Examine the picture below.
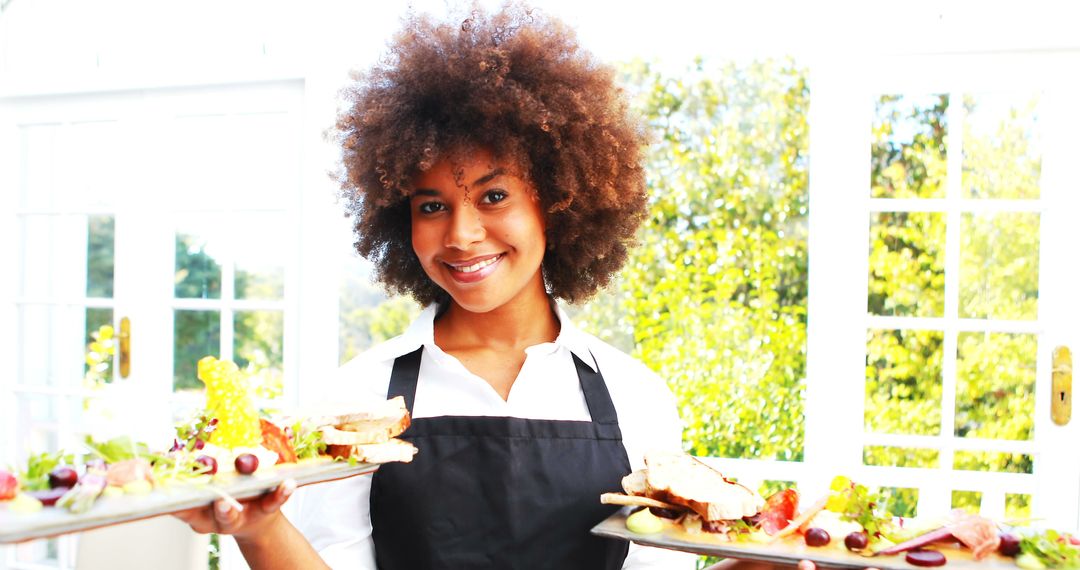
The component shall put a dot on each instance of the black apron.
(500, 492)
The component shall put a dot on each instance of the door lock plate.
(1061, 382)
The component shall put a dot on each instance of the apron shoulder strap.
(404, 376)
(596, 393)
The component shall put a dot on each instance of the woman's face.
(479, 235)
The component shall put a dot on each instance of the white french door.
(943, 262)
(176, 213)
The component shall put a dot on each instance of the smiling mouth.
(474, 267)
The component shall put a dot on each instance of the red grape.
(63, 476)
(856, 541)
(1010, 544)
(209, 463)
(246, 463)
(817, 537)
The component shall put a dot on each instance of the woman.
(491, 167)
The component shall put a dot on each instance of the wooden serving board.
(786, 552)
(52, 521)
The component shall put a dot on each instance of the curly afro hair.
(517, 83)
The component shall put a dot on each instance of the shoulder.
(629, 380)
(367, 375)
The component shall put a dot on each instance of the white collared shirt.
(334, 516)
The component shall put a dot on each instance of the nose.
(466, 227)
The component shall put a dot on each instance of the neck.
(521, 323)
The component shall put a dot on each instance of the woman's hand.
(244, 519)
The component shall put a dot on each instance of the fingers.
(273, 501)
(226, 516)
(806, 565)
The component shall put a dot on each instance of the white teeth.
(476, 266)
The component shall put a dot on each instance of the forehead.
(465, 168)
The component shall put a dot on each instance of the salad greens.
(36, 475)
(1048, 549)
(306, 443)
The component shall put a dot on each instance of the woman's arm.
(265, 537)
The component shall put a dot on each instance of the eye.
(430, 207)
(494, 196)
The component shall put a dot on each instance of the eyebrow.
(482, 180)
(489, 176)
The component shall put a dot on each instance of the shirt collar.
(422, 333)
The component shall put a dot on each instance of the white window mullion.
(839, 120)
(937, 498)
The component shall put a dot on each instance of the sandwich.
(683, 488)
(367, 433)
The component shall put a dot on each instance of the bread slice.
(635, 483)
(393, 450)
(378, 430)
(684, 480)
(345, 413)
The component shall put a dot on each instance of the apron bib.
(499, 492)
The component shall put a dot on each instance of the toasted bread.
(684, 480)
(378, 430)
(393, 450)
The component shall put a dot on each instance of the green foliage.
(714, 298)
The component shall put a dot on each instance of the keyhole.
(1062, 394)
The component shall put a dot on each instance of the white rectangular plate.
(52, 521)
(786, 552)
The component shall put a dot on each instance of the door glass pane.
(907, 264)
(234, 160)
(1002, 146)
(36, 409)
(53, 256)
(995, 461)
(258, 338)
(195, 334)
(38, 153)
(1018, 506)
(903, 382)
(100, 255)
(888, 456)
(92, 160)
(198, 261)
(260, 268)
(995, 385)
(51, 345)
(101, 345)
(43, 552)
(969, 501)
(902, 501)
(999, 266)
(908, 149)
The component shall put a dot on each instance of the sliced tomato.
(779, 509)
(274, 439)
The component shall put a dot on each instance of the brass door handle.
(1061, 383)
(125, 347)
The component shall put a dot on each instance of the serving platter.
(788, 551)
(52, 521)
